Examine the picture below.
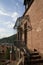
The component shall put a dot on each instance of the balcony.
(19, 44)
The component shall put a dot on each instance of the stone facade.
(34, 37)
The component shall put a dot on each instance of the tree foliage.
(7, 55)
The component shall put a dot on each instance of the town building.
(30, 30)
(30, 25)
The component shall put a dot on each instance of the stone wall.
(35, 36)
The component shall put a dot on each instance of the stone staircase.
(34, 59)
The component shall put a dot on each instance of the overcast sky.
(9, 11)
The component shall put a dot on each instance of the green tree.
(7, 55)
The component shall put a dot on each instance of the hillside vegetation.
(9, 39)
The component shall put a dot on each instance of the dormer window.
(27, 3)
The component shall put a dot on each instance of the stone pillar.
(10, 55)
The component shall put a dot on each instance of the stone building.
(30, 31)
(30, 25)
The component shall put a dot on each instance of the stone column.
(10, 55)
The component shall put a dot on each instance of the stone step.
(35, 61)
(34, 53)
(35, 57)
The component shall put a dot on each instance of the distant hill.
(9, 39)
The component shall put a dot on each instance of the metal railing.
(21, 60)
(19, 43)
